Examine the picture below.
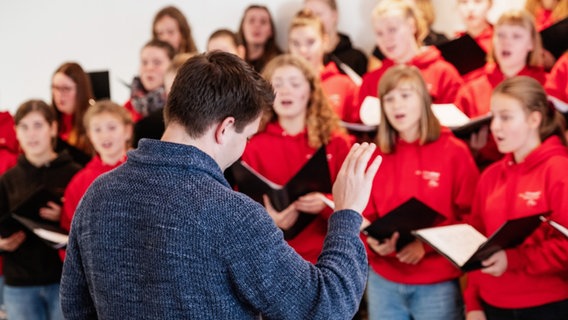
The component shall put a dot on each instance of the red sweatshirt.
(536, 272)
(341, 92)
(79, 185)
(475, 96)
(557, 82)
(442, 79)
(443, 175)
(9, 147)
(278, 156)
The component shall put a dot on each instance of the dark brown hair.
(83, 98)
(212, 86)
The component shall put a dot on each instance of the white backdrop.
(37, 36)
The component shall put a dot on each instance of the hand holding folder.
(26, 216)
(314, 176)
(410, 215)
(466, 247)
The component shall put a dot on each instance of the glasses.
(62, 89)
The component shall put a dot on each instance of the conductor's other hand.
(352, 187)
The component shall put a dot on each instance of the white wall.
(37, 36)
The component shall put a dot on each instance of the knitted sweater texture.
(164, 237)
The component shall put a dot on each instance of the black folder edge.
(281, 197)
(473, 126)
(28, 209)
(33, 225)
(100, 83)
(555, 38)
(464, 53)
(379, 231)
(495, 243)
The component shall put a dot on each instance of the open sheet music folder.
(314, 176)
(466, 247)
(411, 215)
(26, 216)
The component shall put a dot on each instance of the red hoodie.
(79, 185)
(536, 272)
(341, 93)
(278, 156)
(442, 79)
(557, 82)
(443, 175)
(9, 147)
(474, 97)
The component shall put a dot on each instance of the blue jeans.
(33, 302)
(389, 300)
(551, 311)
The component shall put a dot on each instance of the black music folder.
(100, 84)
(466, 247)
(464, 53)
(314, 176)
(27, 211)
(555, 38)
(410, 215)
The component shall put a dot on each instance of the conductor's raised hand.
(352, 187)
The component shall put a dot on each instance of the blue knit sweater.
(164, 237)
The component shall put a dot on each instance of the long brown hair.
(271, 49)
(83, 98)
(430, 127)
(531, 95)
(321, 121)
(187, 44)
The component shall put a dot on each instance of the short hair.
(321, 120)
(430, 127)
(110, 107)
(107, 106)
(525, 20)
(235, 38)
(84, 97)
(47, 111)
(409, 10)
(155, 43)
(187, 44)
(532, 97)
(306, 17)
(212, 86)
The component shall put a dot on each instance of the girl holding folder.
(32, 270)
(529, 281)
(421, 159)
(300, 122)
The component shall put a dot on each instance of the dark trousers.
(551, 311)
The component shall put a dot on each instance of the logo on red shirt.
(531, 197)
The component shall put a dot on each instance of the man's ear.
(223, 128)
